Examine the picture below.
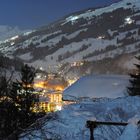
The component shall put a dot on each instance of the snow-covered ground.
(97, 86)
(70, 122)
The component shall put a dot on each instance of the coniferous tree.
(16, 102)
(3, 86)
(22, 94)
(8, 109)
(134, 88)
(26, 89)
(8, 118)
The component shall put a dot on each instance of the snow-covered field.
(70, 122)
(97, 86)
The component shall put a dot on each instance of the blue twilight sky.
(29, 14)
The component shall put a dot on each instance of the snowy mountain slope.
(97, 86)
(7, 32)
(94, 36)
(89, 14)
(70, 122)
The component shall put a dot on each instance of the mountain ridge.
(7, 32)
(93, 39)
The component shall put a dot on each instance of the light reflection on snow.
(73, 18)
(58, 107)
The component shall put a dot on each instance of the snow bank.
(97, 86)
(131, 131)
(69, 124)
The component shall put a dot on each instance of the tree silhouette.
(134, 88)
(22, 94)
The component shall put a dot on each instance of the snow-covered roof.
(97, 86)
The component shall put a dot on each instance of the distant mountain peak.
(8, 32)
(100, 40)
(90, 13)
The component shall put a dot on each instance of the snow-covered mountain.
(7, 32)
(102, 40)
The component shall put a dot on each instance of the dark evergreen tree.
(22, 94)
(3, 86)
(134, 88)
(8, 109)
(139, 32)
(8, 118)
(26, 88)
(16, 102)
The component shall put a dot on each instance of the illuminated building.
(49, 102)
(50, 95)
(101, 37)
(77, 64)
(128, 20)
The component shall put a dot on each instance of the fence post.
(91, 133)
(91, 127)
